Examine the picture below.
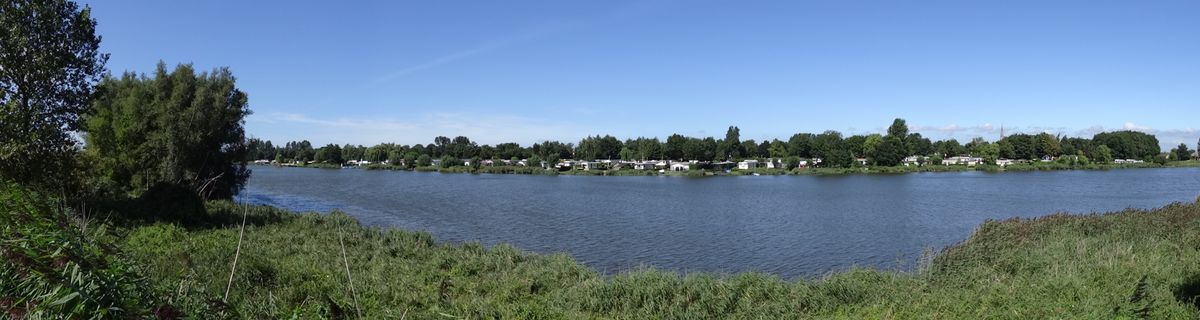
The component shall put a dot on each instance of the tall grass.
(1128, 264)
(52, 270)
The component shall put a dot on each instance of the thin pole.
(346, 262)
(236, 254)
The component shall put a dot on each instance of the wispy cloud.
(516, 38)
(487, 46)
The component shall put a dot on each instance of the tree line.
(836, 150)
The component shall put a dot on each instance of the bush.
(53, 270)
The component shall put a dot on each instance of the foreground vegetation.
(1127, 264)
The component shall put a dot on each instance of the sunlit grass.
(1057, 266)
(1131, 264)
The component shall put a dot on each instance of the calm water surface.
(787, 225)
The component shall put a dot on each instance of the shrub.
(53, 270)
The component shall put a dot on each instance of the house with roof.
(774, 163)
(645, 165)
(747, 164)
(960, 160)
(591, 165)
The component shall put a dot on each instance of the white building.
(911, 161)
(681, 166)
(592, 165)
(647, 165)
(747, 164)
(968, 161)
(775, 163)
(1004, 162)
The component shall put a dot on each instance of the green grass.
(54, 268)
(1118, 265)
(1057, 266)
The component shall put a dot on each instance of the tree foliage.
(1129, 144)
(1181, 153)
(177, 128)
(50, 62)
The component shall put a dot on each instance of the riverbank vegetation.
(1128, 264)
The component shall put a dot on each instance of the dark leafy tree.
(674, 147)
(1181, 153)
(801, 145)
(763, 149)
(1129, 144)
(1103, 154)
(949, 148)
(918, 145)
(176, 128)
(856, 145)
(50, 62)
(830, 147)
(890, 152)
(778, 149)
(732, 145)
(1047, 146)
(899, 130)
(749, 149)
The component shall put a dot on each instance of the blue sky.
(526, 71)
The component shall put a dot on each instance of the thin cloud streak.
(626, 12)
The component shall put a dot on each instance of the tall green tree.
(990, 152)
(871, 143)
(1103, 154)
(856, 145)
(890, 152)
(778, 149)
(331, 154)
(1047, 146)
(176, 128)
(732, 144)
(1129, 144)
(1181, 153)
(831, 148)
(899, 130)
(50, 62)
(801, 145)
(673, 149)
(918, 145)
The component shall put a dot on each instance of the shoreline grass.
(1124, 264)
(1086, 266)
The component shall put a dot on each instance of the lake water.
(791, 226)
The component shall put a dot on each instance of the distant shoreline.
(864, 170)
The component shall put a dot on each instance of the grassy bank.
(1084, 266)
(1124, 264)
